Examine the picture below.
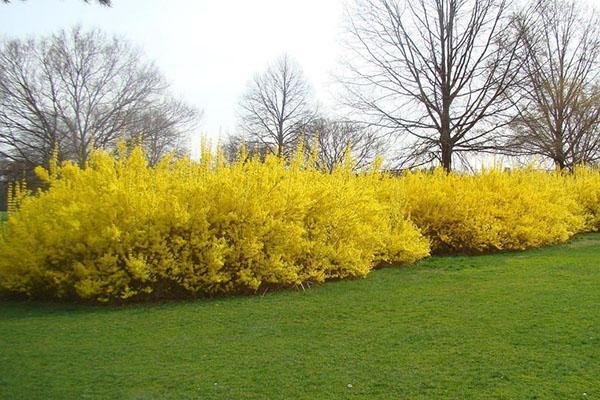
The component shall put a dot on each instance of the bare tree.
(276, 106)
(163, 127)
(231, 147)
(335, 138)
(235, 146)
(432, 72)
(76, 91)
(558, 112)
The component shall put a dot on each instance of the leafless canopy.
(432, 72)
(334, 138)
(237, 145)
(76, 91)
(559, 107)
(276, 106)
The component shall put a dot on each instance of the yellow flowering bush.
(584, 184)
(119, 229)
(492, 210)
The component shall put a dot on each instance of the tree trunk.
(559, 151)
(559, 163)
(280, 140)
(445, 137)
(446, 154)
(280, 148)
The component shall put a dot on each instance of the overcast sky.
(208, 49)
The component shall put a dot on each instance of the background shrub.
(492, 210)
(584, 184)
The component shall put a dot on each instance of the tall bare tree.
(558, 112)
(276, 106)
(76, 91)
(334, 138)
(432, 72)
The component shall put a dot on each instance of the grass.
(3, 216)
(507, 326)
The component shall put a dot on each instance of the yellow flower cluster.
(17, 191)
(119, 229)
(493, 210)
(584, 184)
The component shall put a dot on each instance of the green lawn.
(509, 326)
(3, 216)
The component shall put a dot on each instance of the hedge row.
(122, 230)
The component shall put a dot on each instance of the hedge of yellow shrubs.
(121, 230)
(492, 210)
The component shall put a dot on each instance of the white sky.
(207, 49)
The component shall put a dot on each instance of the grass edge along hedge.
(119, 230)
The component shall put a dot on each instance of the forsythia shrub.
(584, 184)
(492, 210)
(120, 229)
